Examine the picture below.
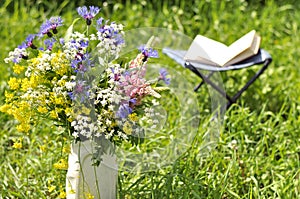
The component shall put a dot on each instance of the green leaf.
(70, 30)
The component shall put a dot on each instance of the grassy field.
(258, 152)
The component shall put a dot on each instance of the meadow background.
(258, 153)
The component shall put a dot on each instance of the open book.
(207, 51)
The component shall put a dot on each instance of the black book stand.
(261, 58)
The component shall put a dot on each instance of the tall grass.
(258, 153)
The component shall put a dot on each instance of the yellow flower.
(42, 109)
(13, 83)
(36, 61)
(22, 112)
(18, 69)
(34, 81)
(59, 63)
(17, 144)
(61, 164)
(51, 188)
(53, 114)
(25, 84)
(127, 128)
(133, 117)
(6, 108)
(62, 194)
(42, 98)
(68, 111)
(24, 106)
(23, 127)
(71, 191)
(66, 149)
(89, 196)
(43, 148)
(61, 82)
(8, 96)
(59, 100)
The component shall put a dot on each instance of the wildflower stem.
(80, 166)
(87, 31)
(57, 39)
(95, 174)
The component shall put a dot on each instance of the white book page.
(252, 50)
(207, 49)
(240, 45)
(203, 48)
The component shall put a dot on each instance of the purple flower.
(80, 91)
(109, 31)
(88, 15)
(163, 76)
(84, 44)
(62, 41)
(148, 52)
(124, 111)
(106, 30)
(23, 46)
(49, 43)
(132, 101)
(81, 63)
(115, 76)
(100, 21)
(29, 41)
(119, 40)
(50, 25)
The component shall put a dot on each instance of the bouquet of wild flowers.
(74, 80)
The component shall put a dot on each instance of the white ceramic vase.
(84, 180)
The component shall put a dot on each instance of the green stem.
(95, 173)
(81, 170)
(57, 39)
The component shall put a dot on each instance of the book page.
(203, 48)
(252, 50)
(208, 51)
(240, 45)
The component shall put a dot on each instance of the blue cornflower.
(99, 22)
(74, 64)
(50, 25)
(148, 52)
(62, 41)
(29, 41)
(111, 31)
(84, 44)
(163, 76)
(81, 63)
(88, 15)
(119, 40)
(78, 66)
(23, 46)
(124, 111)
(107, 31)
(80, 92)
(49, 43)
(132, 101)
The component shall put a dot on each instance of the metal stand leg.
(231, 100)
(207, 80)
(251, 81)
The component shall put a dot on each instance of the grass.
(257, 154)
